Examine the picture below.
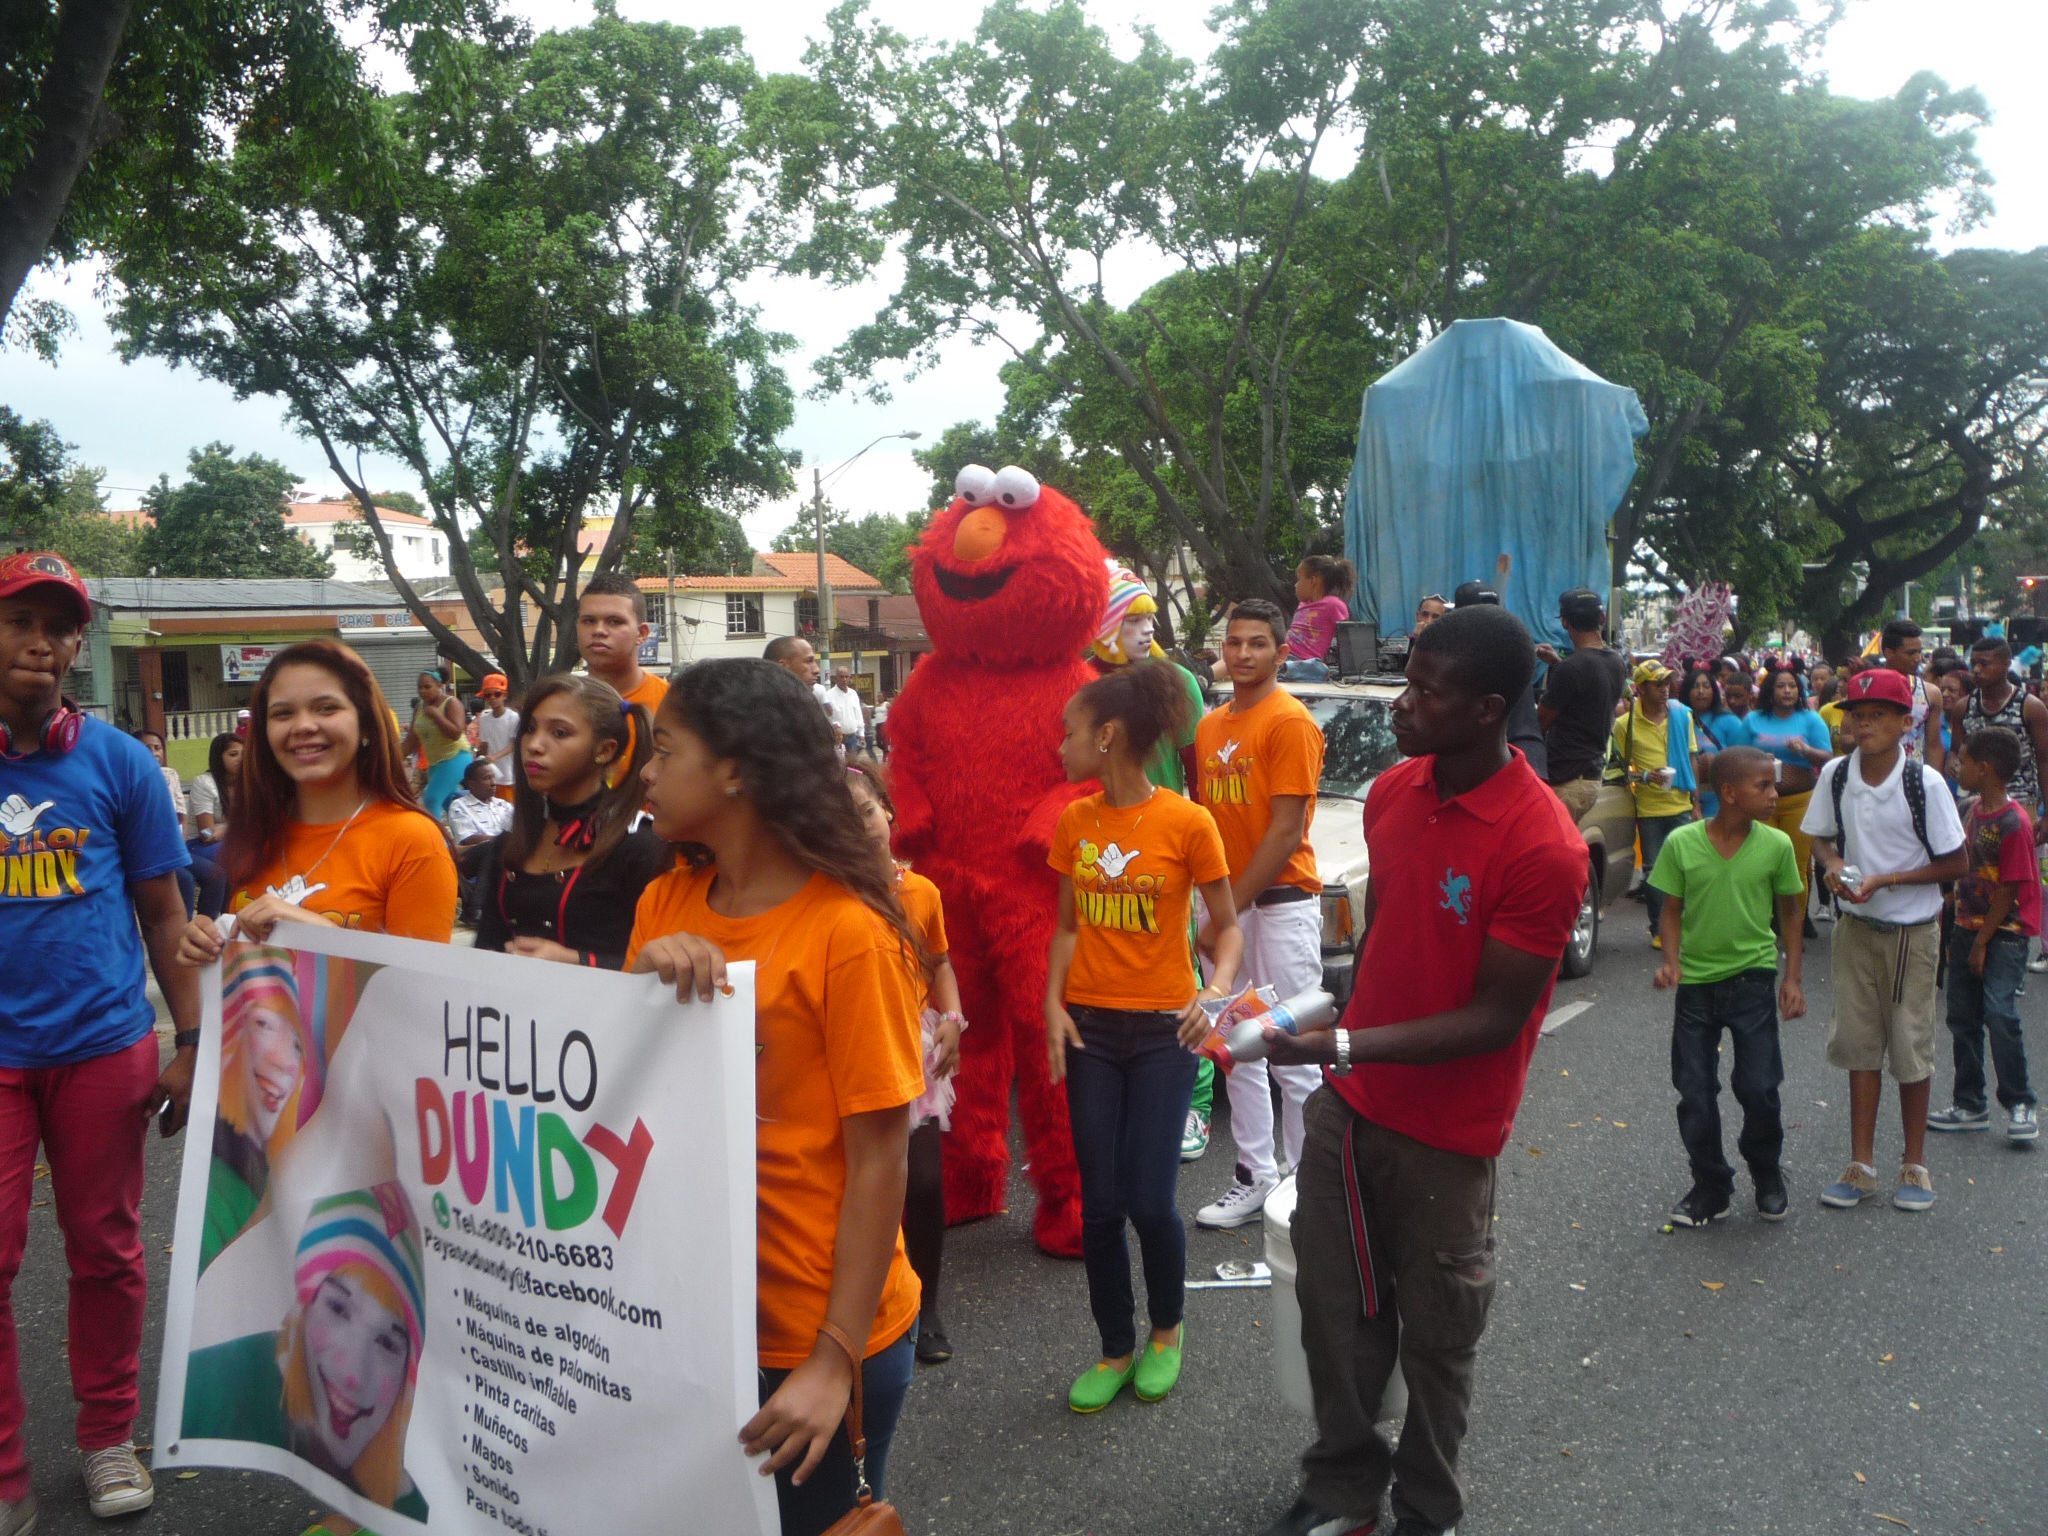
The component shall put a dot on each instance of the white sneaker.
(2022, 1123)
(2039, 963)
(115, 1482)
(18, 1516)
(1241, 1203)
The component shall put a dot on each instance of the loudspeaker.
(1964, 633)
(2025, 631)
(1357, 649)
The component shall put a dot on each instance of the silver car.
(1358, 745)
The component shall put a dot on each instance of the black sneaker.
(1700, 1206)
(1304, 1519)
(1771, 1203)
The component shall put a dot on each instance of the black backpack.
(1916, 803)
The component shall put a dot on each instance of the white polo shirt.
(1881, 840)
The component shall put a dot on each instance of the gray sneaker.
(1957, 1118)
(115, 1482)
(18, 1516)
(2022, 1123)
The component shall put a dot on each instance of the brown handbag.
(866, 1518)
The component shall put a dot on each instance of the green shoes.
(1158, 1369)
(1096, 1388)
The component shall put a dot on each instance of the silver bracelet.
(1343, 1066)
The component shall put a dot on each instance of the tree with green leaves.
(116, 112)
(226, 519)
(50, 501)
(524, 291)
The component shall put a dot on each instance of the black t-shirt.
(1584, 689)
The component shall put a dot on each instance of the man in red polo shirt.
(1476, 875)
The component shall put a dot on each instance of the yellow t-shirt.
(1135, 869)
(836, 1031)
(1647, 749)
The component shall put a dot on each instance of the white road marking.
(1557, 1018)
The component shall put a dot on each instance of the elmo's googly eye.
(1015, 487)
(976, 484)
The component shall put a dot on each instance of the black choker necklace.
(576, 825)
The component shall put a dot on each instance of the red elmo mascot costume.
(1011, 585)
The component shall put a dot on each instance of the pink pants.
(91, 1117)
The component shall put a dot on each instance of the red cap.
(41, 568)
(1879, 685)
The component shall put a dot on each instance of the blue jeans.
(1992, 999)
(1653, 830)
(1127, 1095)
(828, 1493)
(1746, 1006)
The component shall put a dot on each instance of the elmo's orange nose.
(979, 535)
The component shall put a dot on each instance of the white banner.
(245, 663)
(465, 1242)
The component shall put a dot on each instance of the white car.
(1358, 746)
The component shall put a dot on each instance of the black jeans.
(1429, 1230)
(1746, 1006)
(1127, 1095)
(828, 1493)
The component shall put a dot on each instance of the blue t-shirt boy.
(76, 830)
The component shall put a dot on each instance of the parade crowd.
(609, 819)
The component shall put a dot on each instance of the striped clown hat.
(301, 986)
(1128, 597)
(369, 1235)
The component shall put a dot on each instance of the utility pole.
(668, 608)
(824, 587)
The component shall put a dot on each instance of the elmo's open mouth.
(969, 589)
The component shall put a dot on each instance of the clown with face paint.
(334, 1384)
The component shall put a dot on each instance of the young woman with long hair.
(440, 733)
(1786, 726)
(1123, 1011)
(563, 882)
(325, 828)
(924, 1203)
(778, 870)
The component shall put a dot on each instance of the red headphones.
(60, 733)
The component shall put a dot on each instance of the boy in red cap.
(497, 731)
(90, 851)
(1888, 835)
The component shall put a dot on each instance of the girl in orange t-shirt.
(325, 828)
(1123, 1012)
(746, 778)
(924, 1203)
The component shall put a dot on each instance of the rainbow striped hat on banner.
(373, 1234)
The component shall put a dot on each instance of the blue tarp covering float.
(1488, 441)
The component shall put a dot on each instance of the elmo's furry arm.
(1036, 838)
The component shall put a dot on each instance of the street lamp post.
(825, 624)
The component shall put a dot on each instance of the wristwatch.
(1343, 1066)
(185, 1039)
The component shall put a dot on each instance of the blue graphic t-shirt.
(75, 831)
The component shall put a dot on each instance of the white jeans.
(1283, 949)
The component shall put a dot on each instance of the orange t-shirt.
(926, 911)
(836, 1004)
(648, 696)
(1245, 759)
(1135, 869)
(390, 872)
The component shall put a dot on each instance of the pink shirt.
(1315, 626)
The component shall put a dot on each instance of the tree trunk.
(88, 37)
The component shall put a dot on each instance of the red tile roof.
(803, 567)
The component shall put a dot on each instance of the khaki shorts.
(1884, 999)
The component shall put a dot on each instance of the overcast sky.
(139, 421)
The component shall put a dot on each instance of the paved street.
(1620, 1394)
